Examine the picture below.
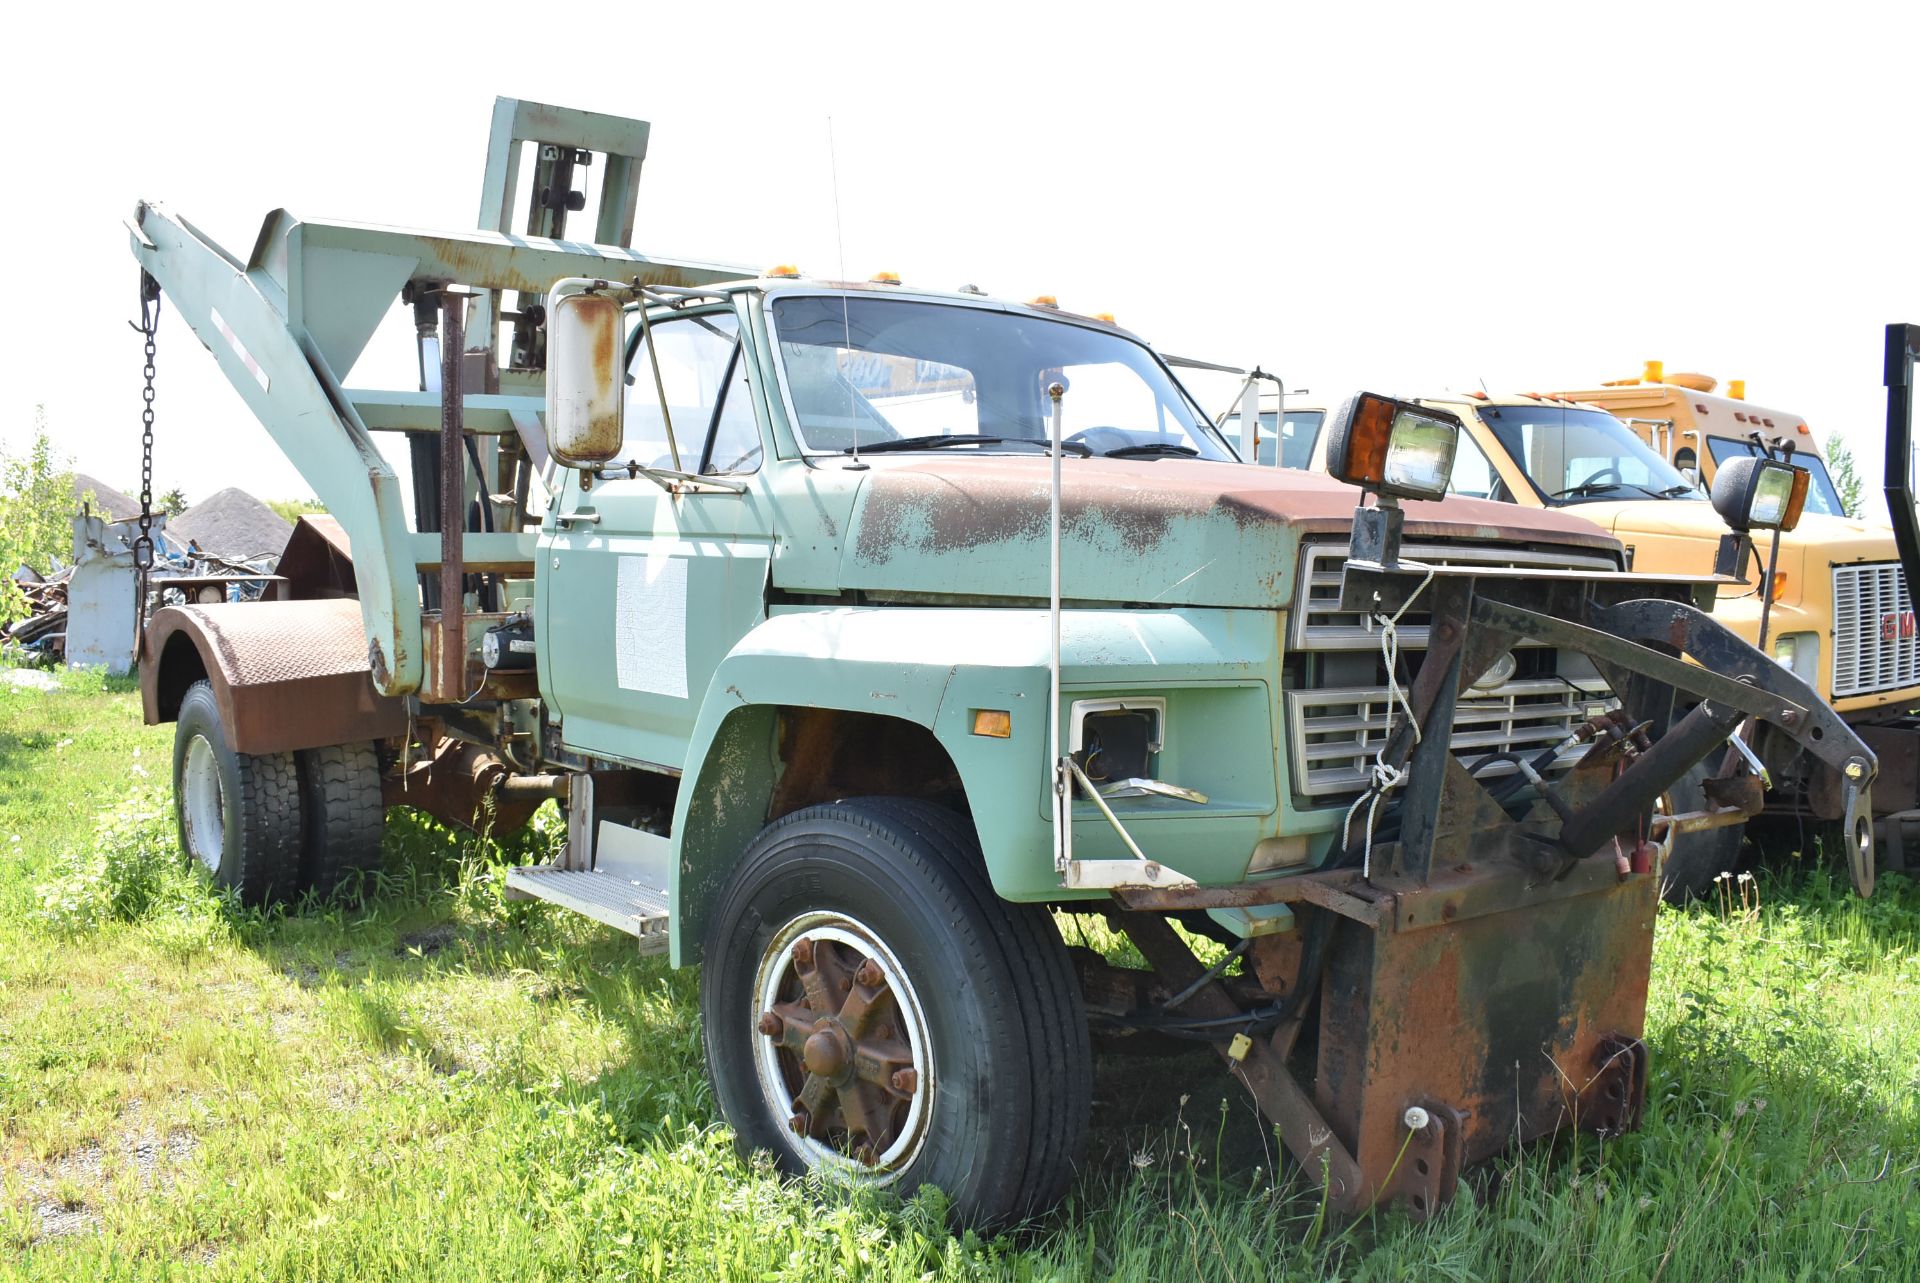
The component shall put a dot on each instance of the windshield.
(1294, 442)
(902, 374)
(1578, 456)
(1822, 496)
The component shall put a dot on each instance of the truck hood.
(1170, 531)
(1680, 537)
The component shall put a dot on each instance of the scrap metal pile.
(184, 573)
(43, 633)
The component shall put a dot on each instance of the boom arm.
(284, 324)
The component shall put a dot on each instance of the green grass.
(440, 1084)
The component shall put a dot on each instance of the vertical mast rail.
(453, 494)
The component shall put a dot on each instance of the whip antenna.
(846, 318)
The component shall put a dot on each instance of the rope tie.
(1384, 777)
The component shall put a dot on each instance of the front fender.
(933, 667)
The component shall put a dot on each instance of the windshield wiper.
(1587, 489)
(1150, 448)
(942, 440)
(1675, 492)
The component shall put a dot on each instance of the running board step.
(632, 907)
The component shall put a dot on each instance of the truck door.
(644, 591)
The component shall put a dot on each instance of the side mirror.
(1394, 447)
(1753, 493)
(586, 378)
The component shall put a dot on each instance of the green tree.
(291, 509)
(173, 502)
(1846, 475)
(36, 514)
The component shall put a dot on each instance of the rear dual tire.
(268, 826)
(238, 813)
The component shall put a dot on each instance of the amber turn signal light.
(996, 723)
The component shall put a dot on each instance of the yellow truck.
(1839, 615)
(1686, 421)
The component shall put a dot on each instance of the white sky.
(1402, 198)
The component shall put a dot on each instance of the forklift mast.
(286, 324)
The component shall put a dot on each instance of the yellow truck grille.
(1876, 646)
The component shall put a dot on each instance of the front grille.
(1337, 732)
(1320, 624)
(1336, 726)
(1875, 644)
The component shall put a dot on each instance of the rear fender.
(285, 674)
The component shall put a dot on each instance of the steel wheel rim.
(201, 804)
(780, 990)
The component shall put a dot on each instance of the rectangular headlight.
(1753, 493)
(1420, 455)
(1395, 447)
(1770, 494)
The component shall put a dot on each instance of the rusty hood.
(1172, 531)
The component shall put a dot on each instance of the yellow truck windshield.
(1822, 496)
(1574, 455)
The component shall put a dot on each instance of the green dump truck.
(859, 629)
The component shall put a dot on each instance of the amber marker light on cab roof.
(1043, 300)
(784, 272)
(996, 723)
(1105, 316)
(885, 278)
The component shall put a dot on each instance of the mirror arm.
(659, 386)
(674, 481)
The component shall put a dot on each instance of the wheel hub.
(843, 1050)
(828, 1052)
(201, 805)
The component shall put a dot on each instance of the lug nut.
(869, 974)
(771, 1024)
(867, 1154)
(906, 1081)
(803, 952)
(799, 1123)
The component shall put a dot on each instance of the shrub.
(130, 870)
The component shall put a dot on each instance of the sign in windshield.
(885, 374)
(1574, 455)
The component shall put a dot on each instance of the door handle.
(588, 517)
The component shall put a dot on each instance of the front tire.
(872, 1009)
(1697, 858)
(238, 814)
